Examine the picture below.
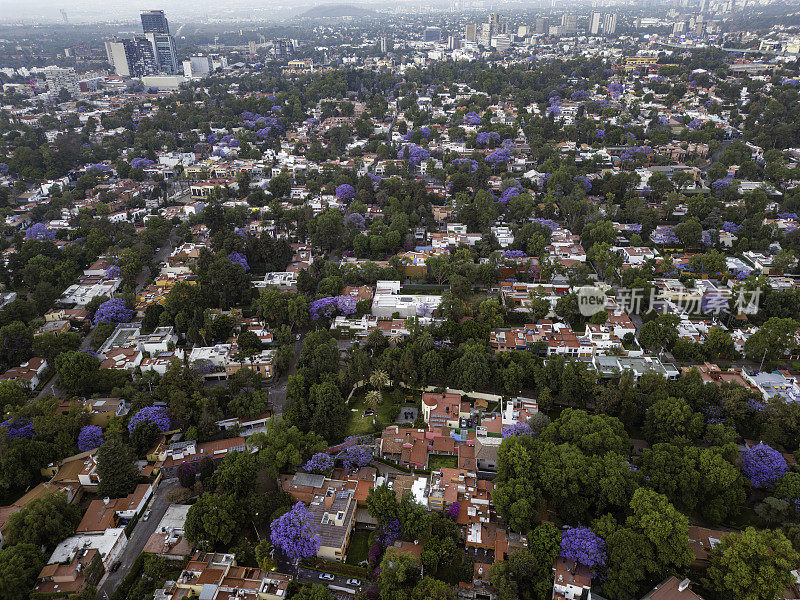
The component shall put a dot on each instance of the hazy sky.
(81, 11)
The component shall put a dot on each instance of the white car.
(355, 582)
(326, 576)
(146, 515)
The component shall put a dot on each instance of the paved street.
(141, 533)
(338, 585)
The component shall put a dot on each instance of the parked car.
(326, 576)
(146, 515)
(115, 566)
(355, 582)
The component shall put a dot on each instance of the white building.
(388, 301)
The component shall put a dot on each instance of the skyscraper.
(569, 24)
(432, 34)
(594, 23)
(132, 58)
(155, 21)
(498, 24)
(610, 24)
(542, 25)
(164, 50)
(156, 30)
(471, 33)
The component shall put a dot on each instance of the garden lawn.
(436, 461)
(358, 548)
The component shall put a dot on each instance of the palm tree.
(373, 399)
(379, 379)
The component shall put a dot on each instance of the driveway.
(277, 389)
(141, 533)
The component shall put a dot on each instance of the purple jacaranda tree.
(472, 118)
(18, 428)
(113, 311)
(345, 192)
(508, 194)
(329, 306)
(487, 138)
(763, 465)
(239, 259)
(499, 156)
(355, 220)
(112, 272)
(415, 154)
(295, 533)
(356, 457)
(90, 437)
(722, 184)
(141, 163)
(321, 462)
(583, 546)
(39, 231)
(466, 162)
(453, 510)
(157, 415)
(517, 429)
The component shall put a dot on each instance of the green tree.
(651, 545)
(43, 522)
(755, 565)
(399, 573)
(772, 340)
(237, 473)
(527, 574)
(19, 567)
(213, 518)
(382, 504)
(116, 469)
(284, 448)
(670, 419)
(659, 333)
(77, 372)
(592, 434)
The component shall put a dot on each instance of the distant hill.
(331, 11)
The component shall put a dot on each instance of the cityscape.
(432, 301)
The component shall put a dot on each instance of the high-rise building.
(384, 45)
(498, 24)
(453, 42)
(569, 24)
(471, 32)
(610, 24)
(156, 30)
(164, 50)
(432, 34)
(542, 25)
(523, 31)
(485, 34)
(594, 23)
(132, 58)
(501, 42)
(282, 47)
(154, 21)
(62, 79)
